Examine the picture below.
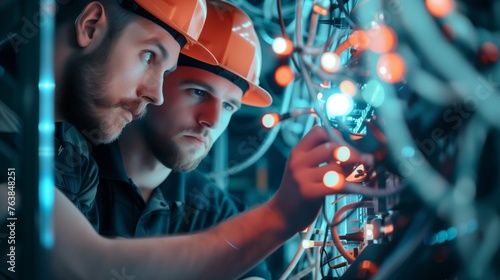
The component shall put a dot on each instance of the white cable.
(353, 188)
(303, 273)
(318, 268)
(300, 251)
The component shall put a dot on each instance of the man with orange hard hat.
(110, 64)
(144, 38)
(110, 60)
(144, 188)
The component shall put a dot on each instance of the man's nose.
(210, 114)
(152, 90)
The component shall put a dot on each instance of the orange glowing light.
(388, 229)
(348, 87)
(440, 8)
(313, 113)
(270, 120)
(333, 179)
(342, 153)
(368, 267)
(330, 62)
(356, 136)
(359, 40)
(382, 39)
(320, 10)
(284, 75)
(326, 84)
(282, 46)
(391, 67)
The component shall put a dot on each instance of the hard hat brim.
(256, 96)
(199, 51)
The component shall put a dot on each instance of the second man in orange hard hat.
(144, 189)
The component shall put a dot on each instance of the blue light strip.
(46, 86)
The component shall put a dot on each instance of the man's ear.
(91, 24)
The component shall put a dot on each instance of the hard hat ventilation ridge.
(133, 7)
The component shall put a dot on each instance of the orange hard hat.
(184, 19)
(230, 36)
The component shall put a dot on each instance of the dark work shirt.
(76, 172)
(10, 150)
(183, 203)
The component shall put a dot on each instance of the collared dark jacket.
(183, 203)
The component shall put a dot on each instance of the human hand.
(313, 171)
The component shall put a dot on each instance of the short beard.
(83, 85)
(167, 151)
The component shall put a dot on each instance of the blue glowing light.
(46, 87)
(339, 104)
(407, 151)
(442, 236)
(452, 233)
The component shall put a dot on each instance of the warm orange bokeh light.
(270, 120)
(440, 8)
(282, 46)
(382, 39)
(313, 113)
(348, 87)
(284, 75)
(388, 229)
(391, 68)
(368, 267)
(358, 40)
(333, 180)
(320, 10)
(325, 84)
(342, 153)
(330, 62)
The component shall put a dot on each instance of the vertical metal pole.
(28, 72)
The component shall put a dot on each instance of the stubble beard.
(170, 153)
(83, 88)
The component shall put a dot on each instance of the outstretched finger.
(334, 152)
(316, 136)
(348, 154)
(325, 180)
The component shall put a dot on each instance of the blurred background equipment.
(416, 84)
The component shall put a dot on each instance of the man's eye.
(148, 56)
(198, 92)
(229, 107)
